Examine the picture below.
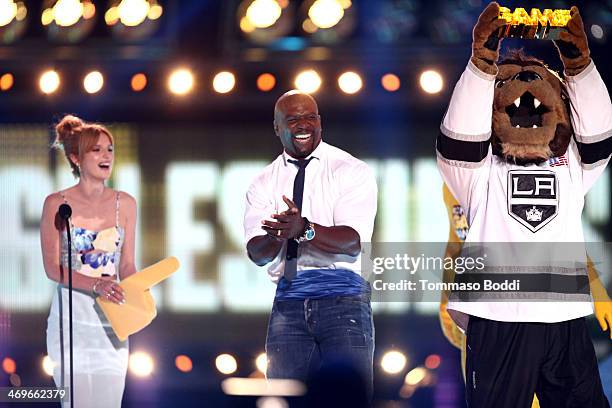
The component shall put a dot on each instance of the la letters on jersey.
(533, 197)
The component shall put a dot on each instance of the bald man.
(307, 214)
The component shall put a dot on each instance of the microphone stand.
(65, 213)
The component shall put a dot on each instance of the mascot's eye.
(527, 76)
(500, 82)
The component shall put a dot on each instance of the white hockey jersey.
(506, 202)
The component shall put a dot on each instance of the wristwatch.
(308, 234)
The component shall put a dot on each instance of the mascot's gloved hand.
(449, 328)
(601, 300)
(573, 45)
(603, 312)
(485, 42)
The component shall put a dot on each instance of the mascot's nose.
(527, 76)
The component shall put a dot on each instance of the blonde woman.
(102, 228)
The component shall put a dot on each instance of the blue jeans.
(338, 328)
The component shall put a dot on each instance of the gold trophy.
(536, 25)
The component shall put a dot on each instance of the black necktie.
(298, 193)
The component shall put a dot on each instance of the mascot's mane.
(517, 56)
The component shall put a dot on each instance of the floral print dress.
(100, 358)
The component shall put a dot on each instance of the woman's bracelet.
(95, 286)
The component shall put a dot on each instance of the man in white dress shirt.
(307, 214)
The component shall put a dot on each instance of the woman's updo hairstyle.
(76, 137)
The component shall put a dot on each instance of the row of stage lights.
(142, 364)
(327, 21)
(72, 20)
(265, 13)
(182, 82)
(260, 20)
(66, 13)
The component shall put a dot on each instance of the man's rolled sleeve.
(259, 206)
(356, 205)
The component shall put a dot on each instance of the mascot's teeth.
(517, 101)
(535, 126)
(536, 103)
(517, 126)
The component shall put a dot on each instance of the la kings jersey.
(506, 202)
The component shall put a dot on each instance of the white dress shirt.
(339, 190)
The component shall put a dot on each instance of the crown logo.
(534, 214)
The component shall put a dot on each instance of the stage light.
(390, 82)
(431, 81)
(15, 380)
(271, 402)
(6, 82)
(68, 20)
(261, 362)
(263, 21)
(326, 13)
(133, 12)
(433, 361)
(224, 82)
(93, 82)
(89, 10)
(246, 25)
(132, 20)
(48, 365)
(183, 363)
(597, 31)
(47, 17)
(415, 376)
(12, 20)
(181, 81)
(138, 82)
(49, 82)
(263, 13)
(8, 365)
(268, 387)
(111, 16)
(393, 362)
(22, 11)
(155, 12)
(350, 82)
(141, 364)
(266, 82)
(327, 22)
(309, 27)
(308, 81)
(8, 11)
(67, 12)
(226, 364)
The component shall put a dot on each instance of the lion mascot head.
(531, 116)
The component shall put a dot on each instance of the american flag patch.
(557, 161)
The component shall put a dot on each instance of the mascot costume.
(519, 148)
(456, 236)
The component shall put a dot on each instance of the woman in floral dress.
(102, 228)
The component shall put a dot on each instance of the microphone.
(65, 211)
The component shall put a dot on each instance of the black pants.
(508, 362)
